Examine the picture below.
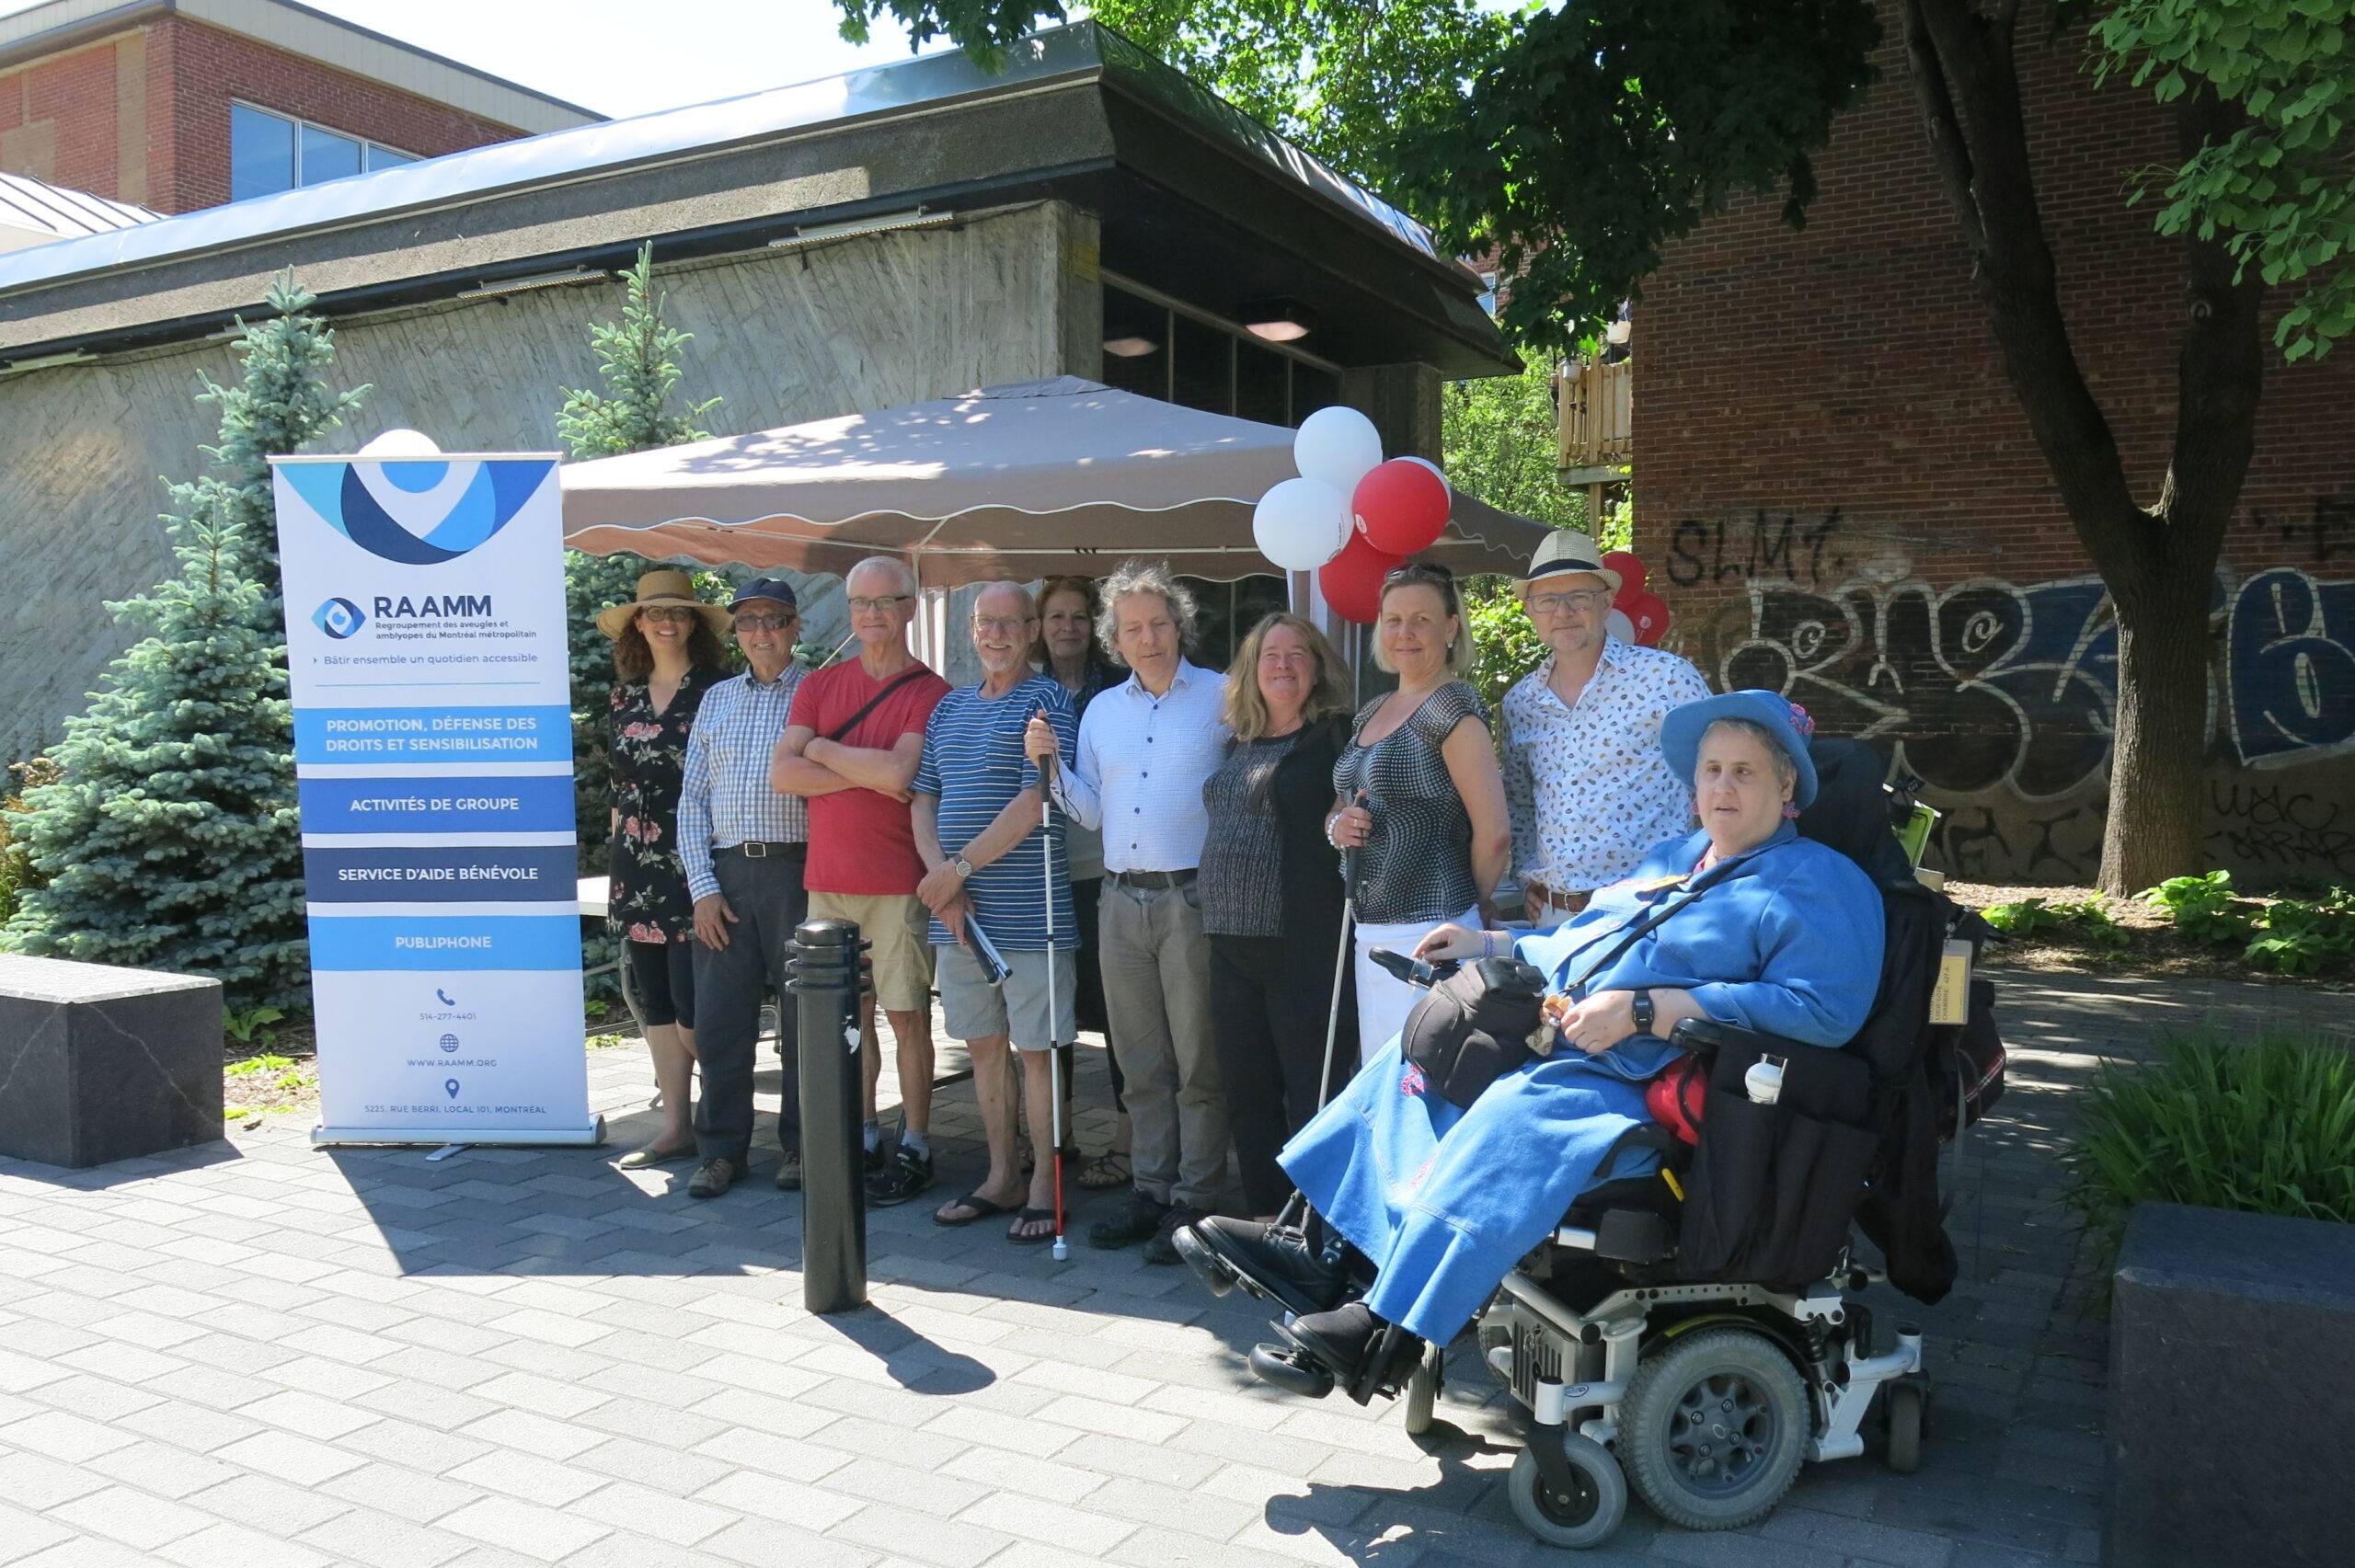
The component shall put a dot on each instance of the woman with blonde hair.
(1420, 800)
(1271, 887)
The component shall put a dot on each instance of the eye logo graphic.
(338, 618)
(419, 513)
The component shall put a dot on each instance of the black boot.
(1347, 1340)
(1275, 1263)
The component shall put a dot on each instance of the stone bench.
(2232, 1371)
(99, 1063)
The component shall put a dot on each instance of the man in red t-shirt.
(850, 748)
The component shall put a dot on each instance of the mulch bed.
(2156, 952)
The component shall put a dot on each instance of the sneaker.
(907, 1174)
(1161, 1249)
(1135, 1219)
(714, 1176)
(789, 1171)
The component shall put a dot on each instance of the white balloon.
(1337, 446)
(1619, 627)
(401, 443)
(1300, 524)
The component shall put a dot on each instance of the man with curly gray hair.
(1145, 746)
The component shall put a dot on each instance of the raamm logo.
(422, 512)
(338, 618)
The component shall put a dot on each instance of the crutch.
(1054, 1029)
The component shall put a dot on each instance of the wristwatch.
(1643, 1013)
(964, 868)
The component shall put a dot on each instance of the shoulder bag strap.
(872, 704)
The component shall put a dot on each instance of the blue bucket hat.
(1681, 732)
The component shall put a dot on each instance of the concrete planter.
(2232, 1374)
(102, 1064)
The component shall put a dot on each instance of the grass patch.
(2265, 1126)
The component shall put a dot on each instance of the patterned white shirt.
(724, 797)
(1139, 769)
(1585, 785)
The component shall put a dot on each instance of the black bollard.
(825, 984)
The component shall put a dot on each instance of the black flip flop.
(983, 1210)
(1032, 1217)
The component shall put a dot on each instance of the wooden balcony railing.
(1596, 402)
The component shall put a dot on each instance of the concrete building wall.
(1838, 496)
(143, 115)
(862, 323)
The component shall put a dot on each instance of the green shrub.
(2022, 919)
(2302, 938)
(2263, 1125)
(2202, 908)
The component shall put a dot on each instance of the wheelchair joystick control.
(1764, 1079)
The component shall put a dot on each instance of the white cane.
(1054, 1031)
(1340, 967)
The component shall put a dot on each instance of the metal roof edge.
(562, 156)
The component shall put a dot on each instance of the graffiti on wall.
(2290, 653)
(2002, 697)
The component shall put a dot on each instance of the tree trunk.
(2157, 562)
(2158, 742)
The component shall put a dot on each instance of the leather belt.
(1154, 878)
(759, 849)
(1568, 903)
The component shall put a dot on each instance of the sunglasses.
(763, 623)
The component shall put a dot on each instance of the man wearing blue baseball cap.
(746, 848)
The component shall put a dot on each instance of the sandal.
(981, 1207)
(1109, 1169)
(1021, 1235)
(639, 1159)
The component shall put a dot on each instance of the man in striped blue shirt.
(975, 805)
(744, 847)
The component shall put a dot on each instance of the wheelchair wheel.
(1902, 1407)
(1422, 1390)
(1714, 1428)
(1585, 1516)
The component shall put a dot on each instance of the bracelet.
(1487, 944)
(1329, 823)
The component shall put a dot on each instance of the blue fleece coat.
(1786, 938)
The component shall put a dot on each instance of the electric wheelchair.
(1692, 1334)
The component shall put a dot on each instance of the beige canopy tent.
(1020, 481)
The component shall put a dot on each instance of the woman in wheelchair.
(1741, 921)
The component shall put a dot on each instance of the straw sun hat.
(666, 586)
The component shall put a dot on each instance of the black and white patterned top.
(1416, 863)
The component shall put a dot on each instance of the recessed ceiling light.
(1278, 321)
(1130, 347)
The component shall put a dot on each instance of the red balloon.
(1648, 615)
(1352, 581)
(1401, 506)
(1631, 577)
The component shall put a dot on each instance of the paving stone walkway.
(254, 1354)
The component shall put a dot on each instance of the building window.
(1225, 613)
(270, 153)
(1488, 292)
(1157, 349)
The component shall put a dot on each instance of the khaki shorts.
(895, 924)
(974, 1010)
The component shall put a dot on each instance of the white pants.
(1383, 1002)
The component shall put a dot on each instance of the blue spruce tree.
(168, 838)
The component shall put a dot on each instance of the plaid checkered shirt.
(725, 798)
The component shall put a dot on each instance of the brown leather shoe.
(714, 1176)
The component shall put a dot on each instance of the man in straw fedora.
(1585, 788)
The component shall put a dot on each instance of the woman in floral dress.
(667, 654)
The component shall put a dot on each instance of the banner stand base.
(326, 1137)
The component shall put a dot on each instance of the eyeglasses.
(880, 602)
(1580, 600)
(765, 623)
(666, 612)
(1001, 626)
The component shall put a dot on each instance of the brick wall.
(208, 67)
(143, 116)
(1838, 495)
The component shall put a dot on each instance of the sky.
(623, 57)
